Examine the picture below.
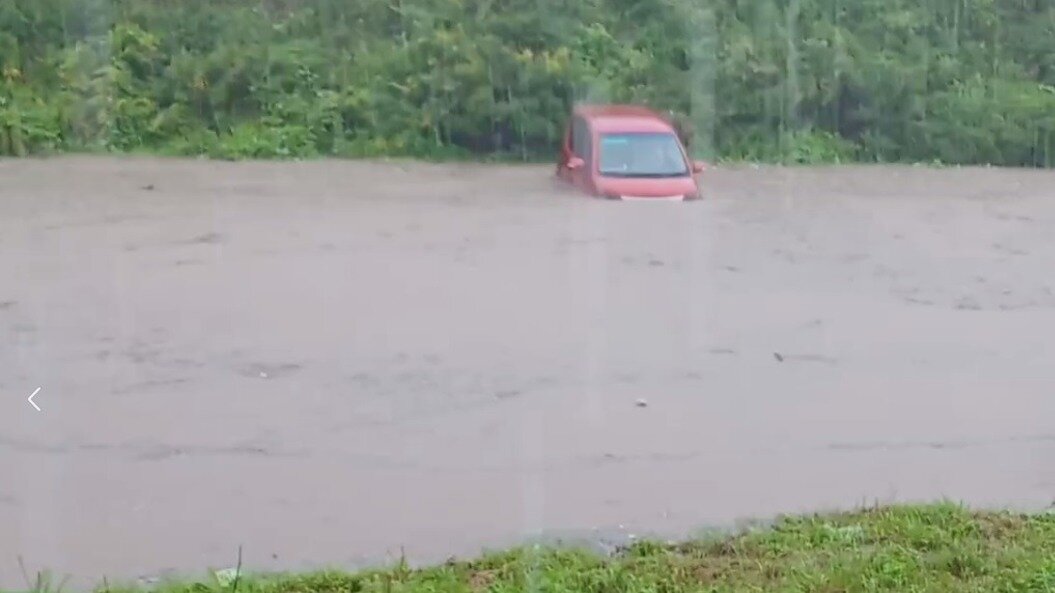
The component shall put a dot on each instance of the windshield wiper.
(644, 175)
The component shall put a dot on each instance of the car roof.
(623, 118)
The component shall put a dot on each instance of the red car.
(626, 152)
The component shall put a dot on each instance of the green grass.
(902, 549)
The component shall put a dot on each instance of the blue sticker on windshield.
(616, 140)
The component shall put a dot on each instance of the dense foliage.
(956, 81)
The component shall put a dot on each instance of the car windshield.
(642, 155)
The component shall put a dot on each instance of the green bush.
(815, 147)
(28, 126)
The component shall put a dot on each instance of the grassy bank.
(904, 549)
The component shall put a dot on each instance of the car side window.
(576, 136)
(586, 146)
(580, 139)
(580, 143)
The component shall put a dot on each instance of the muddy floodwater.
(327, 363)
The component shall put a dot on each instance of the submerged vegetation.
(953, 81)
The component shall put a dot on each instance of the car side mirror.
(576, 163)
(699, 166)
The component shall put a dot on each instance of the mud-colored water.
(326, 362)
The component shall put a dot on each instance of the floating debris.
(226, 576)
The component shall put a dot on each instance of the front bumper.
(652, 198)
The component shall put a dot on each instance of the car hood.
(646, 187)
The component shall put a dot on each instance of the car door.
(577, 146)
(566, 151)
(584, 150)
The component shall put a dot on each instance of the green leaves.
(804, 81)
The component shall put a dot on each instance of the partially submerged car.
(627, 152)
